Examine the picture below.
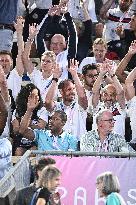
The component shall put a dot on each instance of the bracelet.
(113, 75)
(55, 79)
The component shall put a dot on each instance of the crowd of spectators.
(67, 75)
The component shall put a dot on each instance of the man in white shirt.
(115, 17)
(75, 107)
(110, 97)
(99, 51)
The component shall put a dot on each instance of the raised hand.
(110, 67)
(33, 102)
(19, 24)
(2, 77)
(54, 10)
(73, 67)
(84, 4)
(33, 31)
(132, 48)
(57, 71)
(103, 68)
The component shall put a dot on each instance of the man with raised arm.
(74, 101)
(110, 97)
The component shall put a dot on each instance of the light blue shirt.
(46, 141)
(112, 199)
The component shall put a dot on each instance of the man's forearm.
(49, 99)
(3, 114)
(82, 99)
(105, 8)
(25, 122)
(122, 66)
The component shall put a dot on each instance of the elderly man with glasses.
(104, 139)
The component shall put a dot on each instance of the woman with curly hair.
(39, 118)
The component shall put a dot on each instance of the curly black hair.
(22, 99)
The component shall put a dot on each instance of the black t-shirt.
(51, 199)
(129, 37)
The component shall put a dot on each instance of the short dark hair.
(64, 83)
(87, 67)
(62, 114)
(43, 162)
(6, 53)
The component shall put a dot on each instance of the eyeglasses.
(109, 120)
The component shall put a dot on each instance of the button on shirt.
(46, 141)
(113, 143)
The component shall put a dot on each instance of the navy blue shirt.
(8, 11)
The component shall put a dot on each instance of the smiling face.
(47, 64)
(90, 77)
(124, 5)
(106, 122)
(58, 44)
(99, 51)
(68, 92)
(109, 95)
(56, 123)
(6, 62)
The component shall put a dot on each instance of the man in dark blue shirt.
(8, 12)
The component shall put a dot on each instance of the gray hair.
(99, 115)
(110, 183)
(47, 175)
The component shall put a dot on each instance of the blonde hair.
(50, 54)
(100, 41)
(47, 175)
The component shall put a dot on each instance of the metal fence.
(19, 176)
